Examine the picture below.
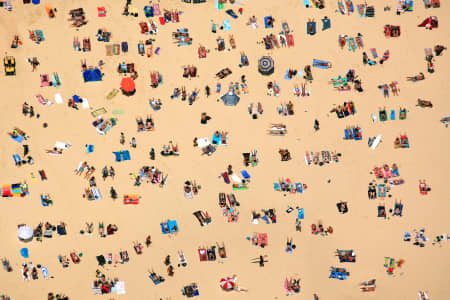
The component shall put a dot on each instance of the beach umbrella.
(25, 233)
(127, 85)
(230, 98)
(266, 65)
(227, 283)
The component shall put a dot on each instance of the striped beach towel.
(7, 5)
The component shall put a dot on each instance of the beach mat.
(98, 112)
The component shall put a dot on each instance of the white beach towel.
(62, 145)
(376, 142)
(120, 287)
(58, 99)
(85, 103)
(236, 178)
(202, 142)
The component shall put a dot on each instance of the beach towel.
(374, 53)
(266, 22)
(101, 11)
(96, 193)
(7, 5)
(392, 114)
(219, 5)
(236, 178)
(98, 112)
(202, 142)
(85, 103)
(156, 9)
(326, 23)
(120, 287)
(62, 145)
(321, 64)
(301, 214)
(44, 272)
(370, 11)
(124, 47)
(361, 9)
(311, 28)
(17, 159)
(226, 25)
(245, 174)
(58, 99)
(148, 10)
(231, 13)
(24, 252)
(89, 148)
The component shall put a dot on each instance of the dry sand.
(372, 238)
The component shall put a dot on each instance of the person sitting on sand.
(149, 123)
(89, 228)
(111, 229)
(137, 247)
(140, 124)
(289, 246)
(438, 49)
(148, 241)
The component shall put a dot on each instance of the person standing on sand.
(133, 142)
(152, 154)
(26, 150)
(122, 138)
(230, 170)
(316, 125)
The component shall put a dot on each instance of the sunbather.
(137, 247)
(394, 88)
(419, 77)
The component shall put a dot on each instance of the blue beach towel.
(326, 23)
(301, 214)
(266, 24)
(321, 64)
(226, 25)
(18, 138)
(392, 114)
(44, 272)
(17, 158)
(245, 174)
(126, 155)
(24, 252)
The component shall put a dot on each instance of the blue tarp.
(92, 75)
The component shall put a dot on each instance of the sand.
(372, 238)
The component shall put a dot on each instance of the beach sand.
(370, 237)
